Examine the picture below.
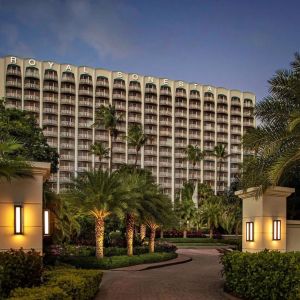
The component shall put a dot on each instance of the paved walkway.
(198, 279)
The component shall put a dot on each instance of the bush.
(63, 283)
(19, 269)
(116, 261)
(262, 276)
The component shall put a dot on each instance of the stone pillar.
(262, 209)
(29, 194)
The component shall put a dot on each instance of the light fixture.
(249, 231)
(18, 219)
(46, 222)
(276, 230)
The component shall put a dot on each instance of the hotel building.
(173, 113)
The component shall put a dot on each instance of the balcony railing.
(50, 88)
(102, 94)
(151, 90)
(68, 90)
(70, 79)
(50, 99)
(86, 81)
(67, 101)
(32, 108)
(11, 83)
(13, 72)
(32, 97)
(32, 74)
(165, 92)
(50, 77)
(102, 83)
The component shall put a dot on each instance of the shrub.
(63, 283)
(19, 269)
(262, 276)
(116, 261)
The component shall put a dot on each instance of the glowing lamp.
(46, 222)
(249, 231)
(18, 219)
(276, 230)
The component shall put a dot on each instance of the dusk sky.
(236, 44)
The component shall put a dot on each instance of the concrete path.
(198, 279)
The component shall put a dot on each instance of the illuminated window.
(249, 231)
(276, 230)
(18, 219)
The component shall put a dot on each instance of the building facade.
(173, 113)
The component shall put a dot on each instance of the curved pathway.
(198, 279)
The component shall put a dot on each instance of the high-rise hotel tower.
(173, 113)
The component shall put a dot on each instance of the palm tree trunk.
(136, 157)
(161, 233)
(152, 239)
(100, 166)
(129, 233)
(184, 233)
(99, 229)
(143, 231)
(211, 232)
(219, 177)
(111, 152)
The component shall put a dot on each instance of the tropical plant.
(210, 214)
(12, 165)
(107, 117)
(220, 154)
(97, 193)
(99, 150)
(275, 142)
(22, 126)
(194, 154)
(136, 138)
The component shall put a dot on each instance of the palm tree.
(220, 154)
(210, 214)
(12, 166)
(194, 154)
(136, 138)
(98, 194)
(107, 117)
(99, 150)
(275, 142)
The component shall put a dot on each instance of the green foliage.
(116, 261)
(22, 126)
(99, 150)
(64, 283)
(19, 269)
(262, 276)
(194, 154)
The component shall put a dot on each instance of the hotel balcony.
(209, 108)
(82, 92)
(150, 100)
(151, 131)
(165, 122)
(119, 96)
(235, 102)
(164, 112)
(180, 124)
(248, 113)
(102, 94)
(17, 96)
(165, 174)
(83, 102)
(209, 137)
(209, 167)
(50, 110)
(194, 96)
(84, 124)
(150, 152)
(14, 83)
(134, 88)
(209, 128)
(50, 99)
(67, 124)
(85, 136)
(165, 143)
(209, 118)
(181, 104)
(67, 134)
(66, 157)
(235, 112)
(222, 140)
(248, 123)
(83, 147)
(195, 125)
(150, 163)
(236, 130)
(209, 177)
(222, 110)
(86, 114)
(209, 147)
(118, 160)
(67, 78)
(50, 76)
(120, 107)
(234, 169)
(222, 129)
(235, 160)
(150, 121)
(31, 108)
(67, 112)
(235, 121)
(67, 90)
(180, 145)
(134, 119)
(180, 94)
(209, 99)
(248, 104)
(66, 168)
(180, 114)
(119, 86)
(235, 150)
(50, 88)
(196, 106)
(120, 149)
(32, 74)
(67, 146)
(136, 98)
(165, 153)
(84, 158)
(180, 154)
(235, 141)
(180, 165)
(222, 100)
(181, 134)
(11, 71)
(50, 122)
(52, 144)
(194, 115)
(50, 133)
(167, 102)
(102, 83)
(222, 120)
(165, 92)
(32, 97)
(135, 108)
(86, 81)
(151, 90)
(195, 136)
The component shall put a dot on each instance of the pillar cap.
(41, 168)
(271, 191)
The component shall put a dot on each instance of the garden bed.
(106, 263)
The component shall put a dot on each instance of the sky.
(236, 44)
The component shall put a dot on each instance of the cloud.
(106, 27)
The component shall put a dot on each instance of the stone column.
(262, 209)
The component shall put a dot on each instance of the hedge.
(63, 283)
(89, 262)
(262, 276)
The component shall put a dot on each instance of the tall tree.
(275, 142)
(108, 118)
(101, 151)
(23, 126)
(136, 138)
(220, 154)
(12, 165)
(194, 154)
(97, 193)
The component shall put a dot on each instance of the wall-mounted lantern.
(46, 222)
(249, 231)
(18, 215)
(276, 230)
